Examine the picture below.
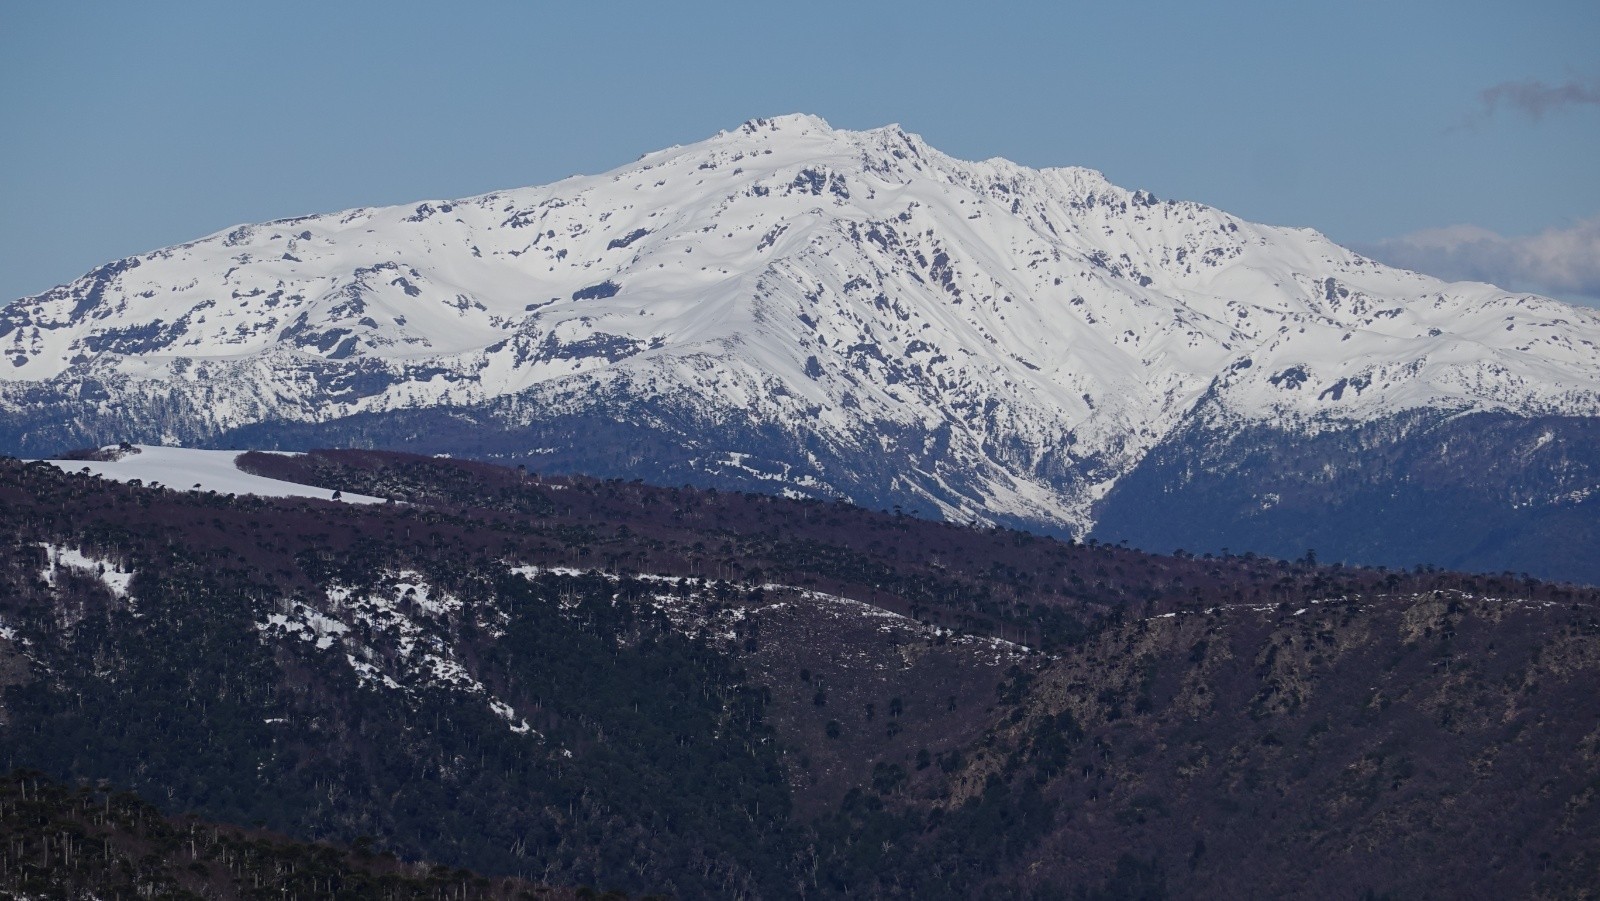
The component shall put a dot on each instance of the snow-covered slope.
(1014, 339)
(186, 469)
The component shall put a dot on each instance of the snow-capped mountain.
(789, 306)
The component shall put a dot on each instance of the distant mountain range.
(791, 308)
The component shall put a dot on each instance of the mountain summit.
(797, 308)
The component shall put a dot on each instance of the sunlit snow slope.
(813, 310)
(186, 469)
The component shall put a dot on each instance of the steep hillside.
(797, 309)
(710, 693)
(86, 843)
(1482, 491)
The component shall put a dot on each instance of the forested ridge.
(597, 683)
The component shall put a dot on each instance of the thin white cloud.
(1535, 99)
(1564, 262)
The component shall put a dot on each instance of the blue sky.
(1460, 137)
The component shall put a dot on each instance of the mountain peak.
(1015, 339)
(794, 123)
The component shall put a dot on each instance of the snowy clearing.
(187, 469)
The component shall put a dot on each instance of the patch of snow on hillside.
(189, 469)
(684, 613)
(405, 642)
(107, 571)
(307, 625)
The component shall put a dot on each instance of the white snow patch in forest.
(399, 619)
(505, 712)
(677, 608)
(412, 586)
(368, 673)
(107, 571)
(188, 469)
(306, 624)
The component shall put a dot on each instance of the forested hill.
(1005, 582)
(701, 693)
(88, 843)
